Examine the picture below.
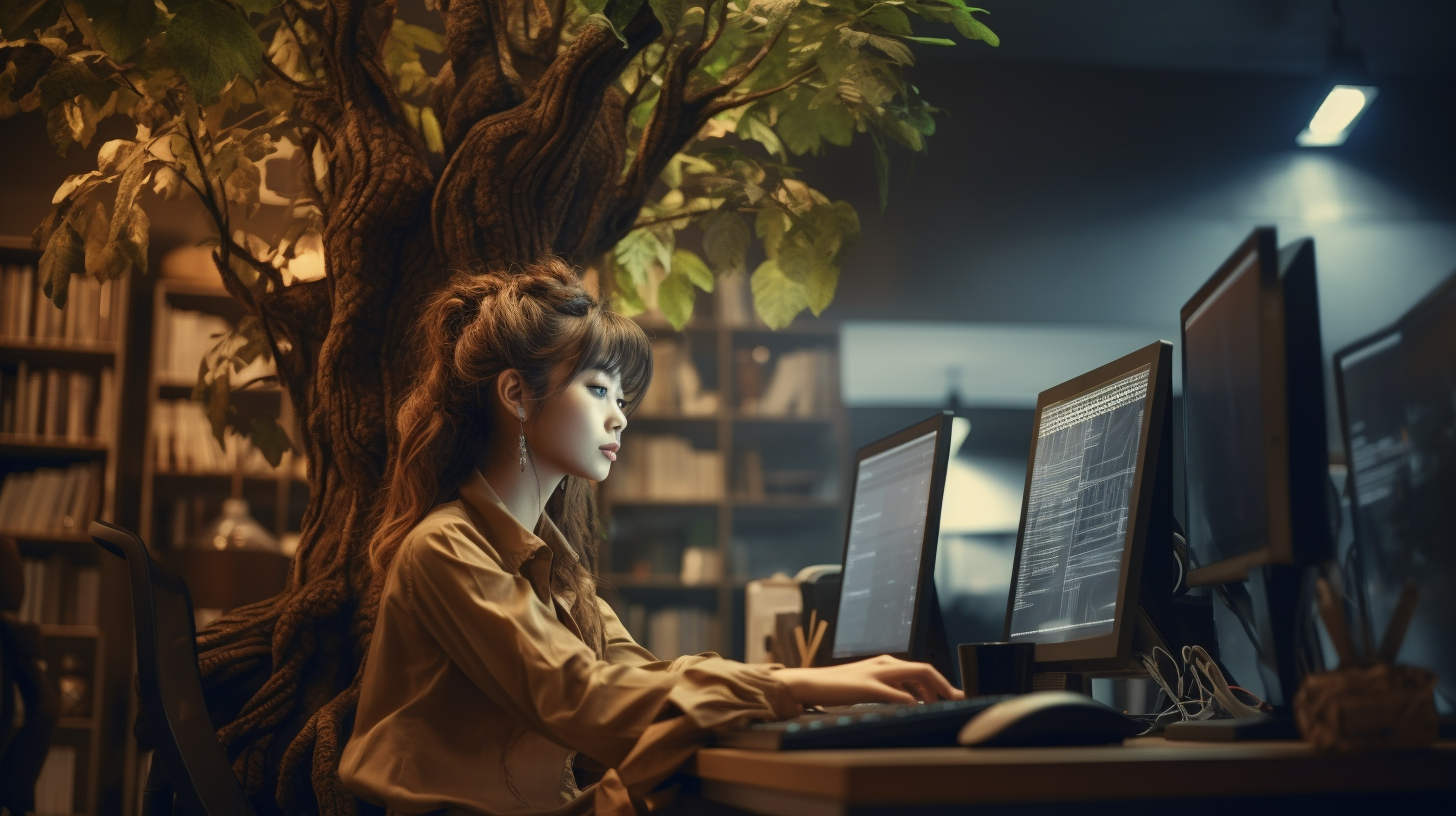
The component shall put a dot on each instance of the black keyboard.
(875, 725)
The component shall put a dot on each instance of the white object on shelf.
(765, 599)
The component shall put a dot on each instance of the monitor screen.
(882, 558)
(1399, 396)
(1223, 404)
(1083, 480)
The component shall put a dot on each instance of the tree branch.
(704, 46)
(482, 81)
(514, 178)
(741, 73)
(732, 102)
(666, 218)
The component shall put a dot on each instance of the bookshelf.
(734, 469)
(185, 474)
(60, 459)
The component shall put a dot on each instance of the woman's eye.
(621, 403)
(599, 390)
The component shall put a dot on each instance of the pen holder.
(1368, 708)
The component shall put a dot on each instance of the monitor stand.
(934, 647)
(1270, 609)
(1274, 726)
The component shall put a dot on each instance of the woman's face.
(580, 431)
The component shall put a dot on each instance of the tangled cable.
(1197, 684)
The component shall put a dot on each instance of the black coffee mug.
(996, 668)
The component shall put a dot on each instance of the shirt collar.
(506, 534)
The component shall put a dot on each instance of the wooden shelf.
(173, 286)
(33, 537)
(56, 353)
(784, 503)
(33, 447)
(69, 630)
(766, 419)
(628, 581)
(691, 503)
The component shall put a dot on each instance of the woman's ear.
(510, 391)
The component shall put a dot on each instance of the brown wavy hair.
(485, 321)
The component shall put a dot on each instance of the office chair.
(187, 755)
(23, 749)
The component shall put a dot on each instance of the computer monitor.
(1256, 452)
(887, 600)
(1094, 575)
(1254, 415)
(1397, 392)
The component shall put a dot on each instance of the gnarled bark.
(535, 142)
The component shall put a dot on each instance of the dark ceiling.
(1290, 37)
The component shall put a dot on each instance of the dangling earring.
(521, 412)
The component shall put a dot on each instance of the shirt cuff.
(716, 693)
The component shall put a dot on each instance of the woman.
(493, 664)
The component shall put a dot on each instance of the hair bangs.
(617, 345)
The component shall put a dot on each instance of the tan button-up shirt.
(477, 691)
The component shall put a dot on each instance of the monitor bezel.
(939, 424)
(1109, 652)
(1261, 248)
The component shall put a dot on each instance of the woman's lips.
(611, 450)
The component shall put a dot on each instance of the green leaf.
(22, 19)
(255, 340)
(675, 298)
(618, 13)
(639, 249)
(64, 256)
(889, 19)
(210, 44)
(770, 226)
(259, 7)
(725, 241)
(928, 40)
(776, 298)
(217, 395)
(58, 128)
(417, 36)
(669, 13)
(430, 129)
(798, 262)
(269, 438)
(882, 169)
(68, 79)
(626, 297)
(688, 264)
(819, 289)
(121, 26)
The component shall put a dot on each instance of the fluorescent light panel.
(1337, 115)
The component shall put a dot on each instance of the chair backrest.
(171, 686)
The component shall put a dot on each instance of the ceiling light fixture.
(1349, 97)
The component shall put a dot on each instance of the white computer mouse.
(1048, 718)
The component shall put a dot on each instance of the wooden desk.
(1209, 777)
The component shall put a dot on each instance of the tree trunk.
(524, 180)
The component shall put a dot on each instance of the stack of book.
(51, 501)
(802, 384)
(676, 388)
(183, 337)
(55, 790)
(672, 631)
(184, 442)
(92, 313)
(57, 405)
(57, 590)
(666, 467)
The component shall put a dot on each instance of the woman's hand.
(882, 679)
